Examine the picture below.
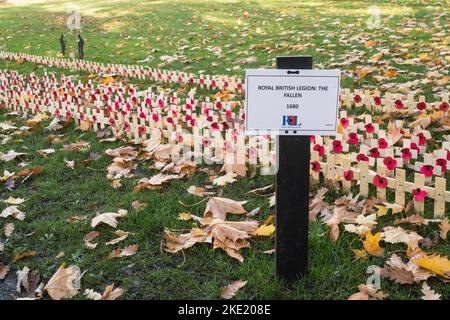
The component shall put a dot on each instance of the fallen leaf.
(435, 263)
(23, 255)
(3, 271)
(109, 218)
(65, 283)
(14, 201)
(265, 230)
(444, 228)
(231, 289)
(8, 229)
(429, 294)
(372, 244)
(368, 292)
(399, 235)
(12, 211)
(218, 207)
(110, 294)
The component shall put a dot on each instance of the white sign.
(292, 102)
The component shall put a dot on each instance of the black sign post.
(292, 192)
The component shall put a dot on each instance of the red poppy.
(362, 157)
(81, 116)
(206, 142)
(225, 125)
(443, 106)
(155, 117)
(344, 122)
(422, 139)
(353, 138)
(414, 146)
(215, 126)
(390, 163)
(312, 138)
(112, 121)
(398, 104)
(374, 153)
(337, 146)
(421, 105)
(187, 117)
(348, 175)
(161, 103)
(218, 105)
(170, 120)
(357, 98)
(239, 86)
(192, 122)
(427, 170)
(126, 126)
(209, 118)
(382, 143)
(377, 101)
(148, 101)
(188, 106)
(442, 163)
(419, 195)
(406, 154)
(320, 149)
(142, 115)
(380, 182)
(315, 166)
(142, 130)
(369, 128)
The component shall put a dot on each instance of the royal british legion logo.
(290, 121)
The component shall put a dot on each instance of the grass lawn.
(211, 37)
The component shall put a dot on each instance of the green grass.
(130, 31)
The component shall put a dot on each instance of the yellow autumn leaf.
(390, 74)
(382, 210)
(268, 219)
(360, 254)
(265, 230)
(372, 244)
(423, 56)
(185, 216)
(436, 264)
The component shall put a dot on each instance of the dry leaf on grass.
(230, 290)
(109, 294)
(14, 201)
(13, 211)
(224, 180)
(139, 205)
(265, 230)
(8, 229)
(77, 218)
(417, 219)
(122, 235)
(199, 191)
(23, 255)
(372, 244)
(399, 235)
(218, 207)
(22, 279)
(126, 252)
(404, 273)
(368, 292)
(109, 218)
(444, 228)
(437, 264)
(65, 283)
(3, 271)
(429, 294)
